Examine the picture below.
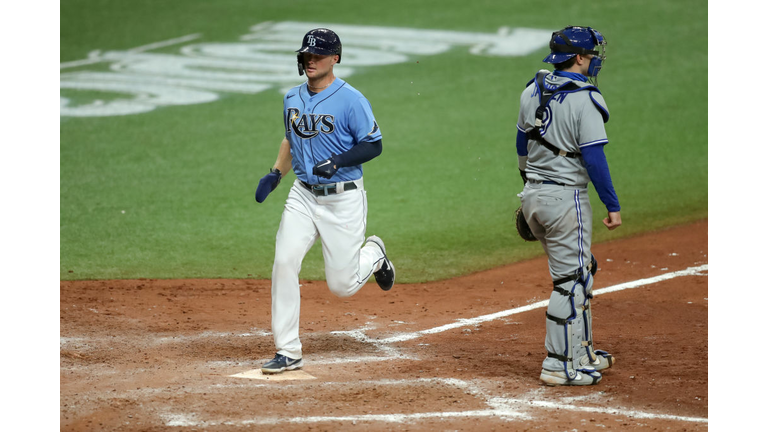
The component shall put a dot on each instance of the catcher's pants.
(339, 220)
(561, 218)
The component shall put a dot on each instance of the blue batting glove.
(267, 184)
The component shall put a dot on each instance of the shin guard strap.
(558, 357)
(572, 277)
(564, 292)
(560, 321)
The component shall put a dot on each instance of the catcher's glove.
(522, 226)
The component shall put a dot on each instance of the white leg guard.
(599, 359)
(568, 332)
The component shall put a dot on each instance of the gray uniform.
(556, 205)
(576, 123)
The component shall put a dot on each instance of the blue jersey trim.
(600, 141)
(581, 229)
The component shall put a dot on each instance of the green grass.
(443, 192)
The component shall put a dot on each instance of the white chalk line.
(504, 408)
(392, 353)
(498, 404)
(190, 421)
(464, 322)
(614, 411)
(500, 407)
(73, 341)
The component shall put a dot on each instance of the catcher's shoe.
(385, 277)
(584, 377)
(281, 363)
(603, 360)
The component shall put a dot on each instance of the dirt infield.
(460, 354)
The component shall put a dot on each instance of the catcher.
(560, 140)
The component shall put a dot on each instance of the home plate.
(283, 376)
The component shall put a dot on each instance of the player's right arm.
(282, 166)
(284, 161)
(521, 140)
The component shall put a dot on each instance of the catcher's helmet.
(319, 41)
(573, 40)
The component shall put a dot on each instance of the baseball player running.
(560, 140)
(330, 131)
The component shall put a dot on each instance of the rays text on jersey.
(309, 125)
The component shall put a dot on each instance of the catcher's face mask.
(599, 53)
(573, 40)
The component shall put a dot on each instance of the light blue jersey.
(326, 124)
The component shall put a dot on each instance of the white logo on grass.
(140, 80)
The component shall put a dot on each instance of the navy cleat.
(385, 277)
(281, 363)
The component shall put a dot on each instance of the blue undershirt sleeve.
(522, 143)
(597, 168)
(360, 153)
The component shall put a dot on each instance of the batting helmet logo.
(319, 41)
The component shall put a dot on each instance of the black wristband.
(279, 176)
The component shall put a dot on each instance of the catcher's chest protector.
(545, 95)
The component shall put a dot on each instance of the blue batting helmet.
(573, 40)
(320, 41)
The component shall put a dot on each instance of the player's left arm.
(592, 138)
(368, 137)
(358, 154)
(600, 175)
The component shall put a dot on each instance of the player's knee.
(286, 263)
(342, 286)
(342, 291)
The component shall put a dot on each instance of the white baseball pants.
(339, 220)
